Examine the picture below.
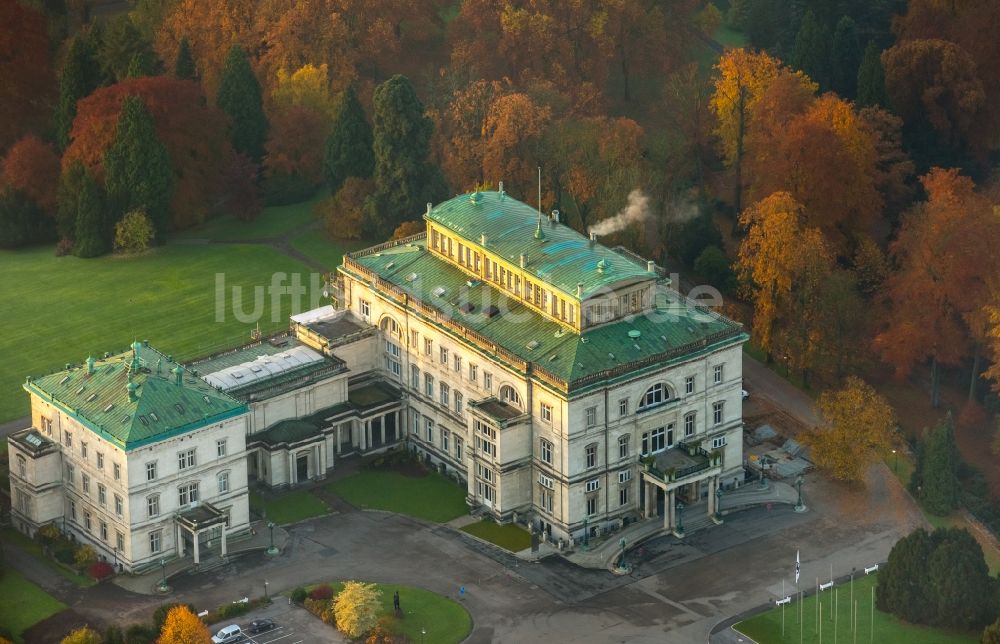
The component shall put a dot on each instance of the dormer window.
(654, 396)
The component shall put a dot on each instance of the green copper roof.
(557, 254)
(676, 330)
(159, 409)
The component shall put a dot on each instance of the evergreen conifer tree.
(22, 221)
(349, 146)
(140, 65)
(871, 79)
(78, 79)
(137, 167)
(240, 97)
(812, 50)
(184, 67)
(404, 180)
(939, 471)
(846, 58)
(91, 227)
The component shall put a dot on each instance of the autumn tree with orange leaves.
(183, 627)
(32, 167)
(944, 252)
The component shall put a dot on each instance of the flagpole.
(782, 608)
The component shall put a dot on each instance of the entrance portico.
(678, 474)
(199, 519)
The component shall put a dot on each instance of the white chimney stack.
(555, 216)
(429, 206)
(524, 260)
(651, 266)
(593, 238)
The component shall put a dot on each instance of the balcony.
(684, 461)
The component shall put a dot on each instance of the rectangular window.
(428, 346)
(591, 416)
(223, 482)
(546, 451)
(459, 447)
(392, 364)
(593, 485)
(445, 435)
(717, 374)
(624, 476)
(187, 494)
(151, 471)
(545, 500)
(689, 385)
(118, 471)
(546, 481)
(119, 505)
(429, 385)
(717, 412)
(689, 424)
(365, 308)
(119, 541)
(87, 521)
(154, 541)
(623, 446)
(104, 531)
(444, 356)
(622, 496)
(473, 373)
(47, 425)
(459, 403)
(68, 439)
(591, 456)
(486, 438)
(591, 506)
(623, 408)
(72, 510)
(546, 412)
(414, 338)
(488, 381)
(458, 363)
(83, 449)
(102, 495)
(153, 505)
(429, 429)
(414, 377)
(718, 442)
(220, 447)
(100, 461)
(86, 484)
(445, 394)
(185, 459)
(70, 475)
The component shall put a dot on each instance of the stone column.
(222, 536)
(711, 495)
(339, 425)
(197, 560)
(668, 510)
(382, 427)
(649, 489)
(364, 435)
(291, 468)
(180, 541)
(396, 432)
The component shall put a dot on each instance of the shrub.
(343, 212)
(134, 232)
(141, 634)
(385, 631)
(323, 591)
(47, 533)
(160, 615)
(65, 554)
(85, 555)
(100, 570)
(321, 608)
(64, 247)
(84, 635)
(357, 607)
(113, 634)
(299, 595)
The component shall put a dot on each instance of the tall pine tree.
(939, 470)
(349, 146)
(404, 179)
(846, 58)
(137, 167)
(141, 65)
(240, 98)
(871, 79)
(91, 226)
(78, 79)
(812, 50)
(184, 67)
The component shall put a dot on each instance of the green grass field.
(274, 221)
(62, 309)
(509, 536)
(23, 604)
(316, 245)
(10, 535)
(766, 627)
(288, 507)
(433, 497)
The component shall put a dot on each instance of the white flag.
(797, 567)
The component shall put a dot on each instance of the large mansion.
(563, 382)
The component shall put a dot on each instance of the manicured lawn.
(288, 507)
(272, 222)
(23, 604)
(321, 248)
(432, 497)
(62, 309)
(445, 620)
(510, 536)
(766, 627)
(10, 535)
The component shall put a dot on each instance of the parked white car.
(231, 633)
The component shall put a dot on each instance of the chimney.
(579, 289)
(482, 239)
(429, 206)
(178, 375)
(593, 239)
(90, 365)
(500, 189)
(131, 387)
(555, 216)
(524, 260)
(651, 266)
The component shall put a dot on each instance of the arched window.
(390, 327)
(655, 395)
(392, 333)
(223, 480)
(509, 395)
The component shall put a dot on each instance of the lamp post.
(763, 464)
(718, 505)
(271, 550)
(680, 517)
(586, 533)
(799, 506)
(267, 597)
(116, 559)
(894, 462)
(163, 572)
(621, 561)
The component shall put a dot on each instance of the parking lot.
(294, 625)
